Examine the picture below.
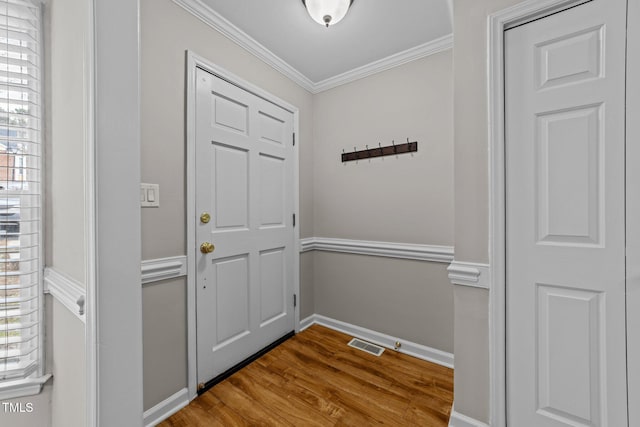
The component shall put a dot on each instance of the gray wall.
(414, 100)
(68, 399)
(164, 340)
(66, 145)
(407, 199)
(166, 32)
(67, 137)
(411, 300)
(41, 415)
(472, 201)
(307, 277)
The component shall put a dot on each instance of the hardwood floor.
(315, 379)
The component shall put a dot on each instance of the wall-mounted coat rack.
(389, 150)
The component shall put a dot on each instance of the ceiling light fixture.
(327, 12)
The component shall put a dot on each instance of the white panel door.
(244, 181)
(565, 192)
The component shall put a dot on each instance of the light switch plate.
(149, 195)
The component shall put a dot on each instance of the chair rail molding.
(469, 274)
(433, 253)
(69, 292)
(154, 270)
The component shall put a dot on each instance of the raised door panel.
(570, 366)
(272, 129)
(272, 195)
(272, 285)
(230, 187)
(571, 58)
(231, 288)
(229, 114)
(569, 204)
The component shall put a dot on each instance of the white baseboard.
(305, 323)
(459, 420)
(412, 349)
(166, 408)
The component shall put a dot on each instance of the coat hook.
(395, 149)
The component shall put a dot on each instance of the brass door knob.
(205, 218)
(207, 248)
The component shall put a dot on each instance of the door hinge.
(294, 220)
(295, 300)
(294, 139)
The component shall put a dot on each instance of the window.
(20, 192)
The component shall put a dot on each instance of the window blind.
(20, 190)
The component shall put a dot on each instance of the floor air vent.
(376, 350)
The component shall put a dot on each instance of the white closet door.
(565, 174)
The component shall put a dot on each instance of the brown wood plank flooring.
(315, 379)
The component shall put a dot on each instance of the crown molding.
(212, 18)
(216, 21)
(421, 51)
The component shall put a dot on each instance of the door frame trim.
(194, 61)
(497, 23)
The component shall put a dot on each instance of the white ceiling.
(371, 31)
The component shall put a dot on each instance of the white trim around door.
(497, 23)
(90, 279)
(194, 61)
